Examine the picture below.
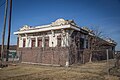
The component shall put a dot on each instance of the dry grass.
(89, 71)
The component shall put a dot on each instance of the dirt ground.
(88, 71)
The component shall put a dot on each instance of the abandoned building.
(60, 43)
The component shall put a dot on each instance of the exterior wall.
(52, 39)
(76, 53)
(45, 55)
(56, 56)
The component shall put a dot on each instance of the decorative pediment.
(59, 22)
(25, 27)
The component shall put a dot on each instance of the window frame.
(24, 42)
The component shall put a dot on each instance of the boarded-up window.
(24, 42)
(58, 41)
(46, 41)
(39, 42)
(33, 43)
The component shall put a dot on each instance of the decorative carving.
(59, 22)
(25, 27)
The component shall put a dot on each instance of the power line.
(2, 4)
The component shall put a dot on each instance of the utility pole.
(108, 62)
(3, 32)
(9, 30)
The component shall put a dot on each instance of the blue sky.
(90, 13)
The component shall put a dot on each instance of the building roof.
(58, 24)
(107, 41)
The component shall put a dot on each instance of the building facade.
(60, 43)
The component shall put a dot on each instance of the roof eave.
(47, 29)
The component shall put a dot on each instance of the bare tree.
(117, 61)
(96, 41)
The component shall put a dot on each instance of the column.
(84, 41)
(36, 42)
